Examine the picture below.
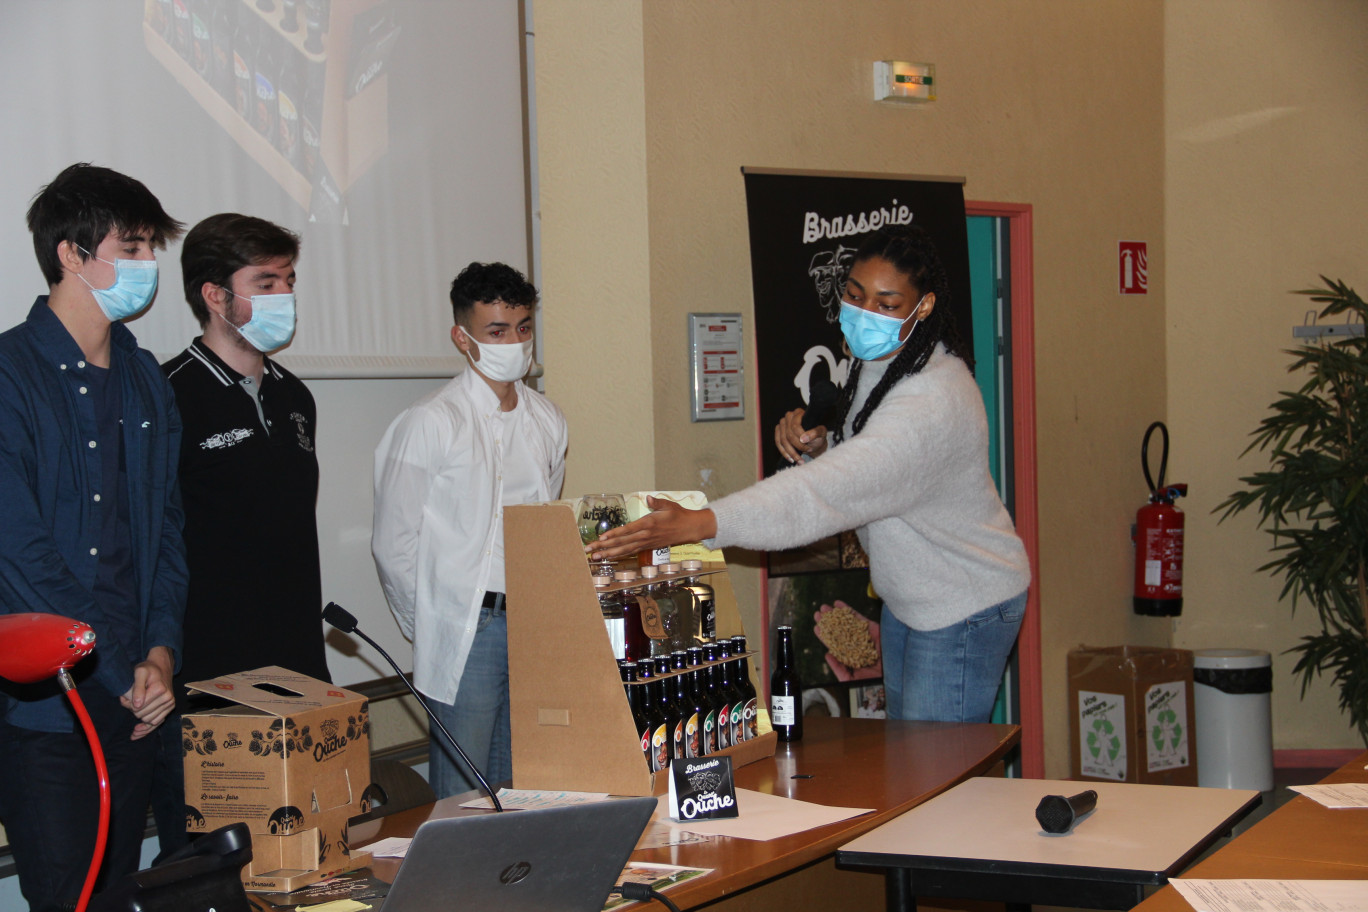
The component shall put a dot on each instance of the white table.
(980, 840)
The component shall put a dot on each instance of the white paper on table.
(531, 799)
(763, 817)
(389, 847)
(1273, 895)
(1343, 795)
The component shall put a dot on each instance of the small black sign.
(701, 788)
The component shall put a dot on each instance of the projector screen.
(388, 133)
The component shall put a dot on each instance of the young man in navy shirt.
(89, 440)
(248, 469)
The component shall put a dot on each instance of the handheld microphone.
(1057, 814)
(822, 397)
(38, 645)
(345, 621)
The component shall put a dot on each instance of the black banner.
(804, 230)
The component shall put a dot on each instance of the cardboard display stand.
(572, 727)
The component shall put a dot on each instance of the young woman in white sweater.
(906, 466)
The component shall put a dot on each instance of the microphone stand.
(345, 621)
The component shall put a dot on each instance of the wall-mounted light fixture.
(905, 83)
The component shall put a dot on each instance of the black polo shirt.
(249, 485)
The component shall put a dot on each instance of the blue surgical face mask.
(872, 335)
(273, 321)
(135, 282)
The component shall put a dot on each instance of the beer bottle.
(705, 601)
(726, 695)
(666, 700)
(654, 742)
(712, 698)
(611, 608)
(634, 643)
(264, 104)
(679, 686)
(742, 680)
(244, 63)
(639, 720)
(693, 732)
(786, 691)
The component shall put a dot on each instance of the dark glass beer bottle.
(786, 691)
(712, 698)
(747, 690)
(653, 743)
(679, 686)
(693, 733)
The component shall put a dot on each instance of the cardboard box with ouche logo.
(288, 755)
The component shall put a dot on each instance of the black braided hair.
(909, 249)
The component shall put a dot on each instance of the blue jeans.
(478, 720)
(951, 674)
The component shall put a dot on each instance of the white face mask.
(502, 363)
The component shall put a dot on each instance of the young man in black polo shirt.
(248, 470)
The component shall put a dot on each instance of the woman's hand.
(667, 524)
(794, 442)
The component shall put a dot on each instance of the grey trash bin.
(1232, 690)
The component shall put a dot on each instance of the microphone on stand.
(1057, 814)
(345, 621)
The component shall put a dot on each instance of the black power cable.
(642, 893)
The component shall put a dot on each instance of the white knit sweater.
(915, 486)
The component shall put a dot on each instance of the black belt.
(494, 601)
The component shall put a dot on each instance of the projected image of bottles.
(597, 514)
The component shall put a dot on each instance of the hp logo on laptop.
(514, 873)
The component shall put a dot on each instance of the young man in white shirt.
(444, 471)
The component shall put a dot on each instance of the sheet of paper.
(337, 905)
(389, 847)
(1273, 895)
(764, 817)
(529, 799)
(660, 877)
(1343, 795)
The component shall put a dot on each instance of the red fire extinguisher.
(1158, 537)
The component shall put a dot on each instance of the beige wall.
(1055, 103)
(1266, 190)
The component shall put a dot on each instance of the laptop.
(563, 859)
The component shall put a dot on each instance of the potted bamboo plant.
(1312, 500)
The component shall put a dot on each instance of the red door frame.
(1031, 704)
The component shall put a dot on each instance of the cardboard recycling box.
(290, 757)
(1132, 715)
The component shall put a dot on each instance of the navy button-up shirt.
(51, 478)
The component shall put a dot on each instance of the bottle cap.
(669, 567)
(650, 571)
(625, 576)
(692, 565)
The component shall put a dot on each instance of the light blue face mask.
(871, 335)
(135, 282)
(273, 321)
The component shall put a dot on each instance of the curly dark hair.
(910, 250)
(489, 282)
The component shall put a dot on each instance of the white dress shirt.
(439, 495)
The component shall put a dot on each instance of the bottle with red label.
(654, 741)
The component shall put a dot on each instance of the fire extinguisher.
(1158, 537)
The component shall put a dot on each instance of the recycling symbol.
(1167, 732)
(1103, 736)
